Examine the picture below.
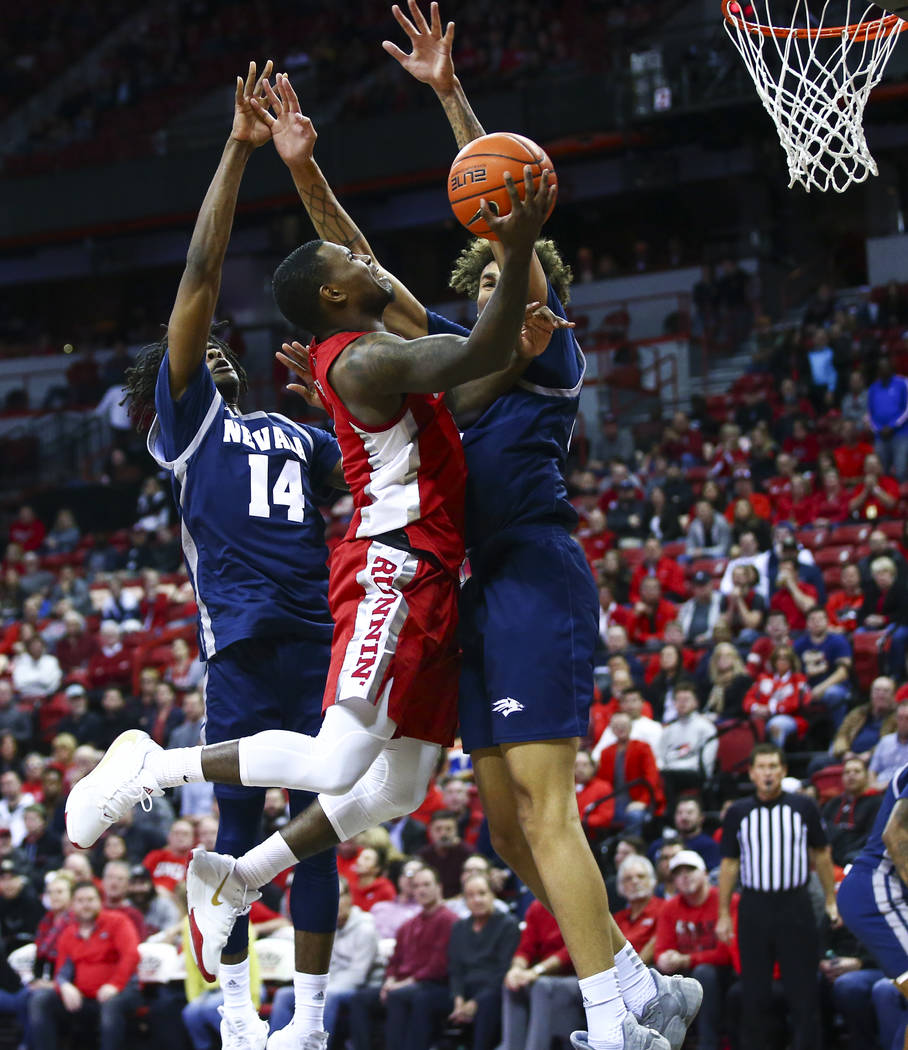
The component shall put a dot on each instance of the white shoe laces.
(124, 798)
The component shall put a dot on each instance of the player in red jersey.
(391, 698)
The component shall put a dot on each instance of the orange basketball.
(478, 173)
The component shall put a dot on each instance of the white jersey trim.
(176, 464)
(393, 486)
(552, 391)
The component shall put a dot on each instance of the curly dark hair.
(478, 254)
(142, 378)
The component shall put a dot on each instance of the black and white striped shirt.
(771, 840)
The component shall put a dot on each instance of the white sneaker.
(215, 899)
(676, 1004)
(293, 1038)
(635, 1036)
(112, 788)
(237, 1034)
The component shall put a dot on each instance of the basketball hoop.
(814, 82)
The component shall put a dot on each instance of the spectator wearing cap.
(791, 595)
(95, 979)
(709, 534)
(686, 941)
(36, 672)
(826, 659)
(85, 725)
(615, 442)
(887, 409)
(13, 804)
(743, 488)
(700, 613)
(40, 847)
(20, 909)
(159, 912)
(877, 495)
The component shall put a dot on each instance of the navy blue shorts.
(529, 620)
(264, 683)
(873, 906)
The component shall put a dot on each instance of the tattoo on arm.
(330, 220)
(464, 122)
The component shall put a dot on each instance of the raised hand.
(520, 227)
(538, 325)
(296, 357)
(430, 61)
(293, 133)
(246, 125)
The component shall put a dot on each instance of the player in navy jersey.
(253, 539)
(873, 898)
(529, 615)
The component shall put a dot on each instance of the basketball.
(478, 173)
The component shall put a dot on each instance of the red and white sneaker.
(112, 788)
(215, 898)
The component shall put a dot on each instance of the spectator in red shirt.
(415, 990)
(831, 502)
(802, 445)
(628, 760)
(111, 663)
(369, 884)
(651, 613)
(97, 960)
(541, 998)
(799, 506)
(27, 530)
(115, 891)
(76, 648)
(595, 538)
(589, 790)
(168, 865)
(845, 604)
(760, 655)
(164, 717)
(666, 570)
(780, 485)
(637, 884)
(851, 453)
(744, 489)
(792, 596)
(686, 941)
(877, 496)
(780, 698)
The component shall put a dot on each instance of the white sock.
(309, 1001)
(234, 981)
(605, 1010)
(638, 988)
(266, 861)
(180, 765)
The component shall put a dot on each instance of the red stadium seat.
(714, 566)
(826, 557)
(893, 529)
(813, 539)
(828, 783)
(855, 533)
(832, 578)
(673, 549)
(866, 648)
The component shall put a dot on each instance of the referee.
(770, 841)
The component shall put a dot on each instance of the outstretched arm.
(294, 139)
(431, 62)
(197, 296)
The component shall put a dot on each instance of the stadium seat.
(828, 783)
(714, 566)
(826, 557)
(673, 549)
(866, 646)
(813, 539)
(893, 529)
(853, 533)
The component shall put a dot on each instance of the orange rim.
(859, 30)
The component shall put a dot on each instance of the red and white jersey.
(407, 474)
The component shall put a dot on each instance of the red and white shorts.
(395, 637)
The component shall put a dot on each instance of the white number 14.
(287, 491)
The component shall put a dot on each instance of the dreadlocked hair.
(478, 254)
(142, 378)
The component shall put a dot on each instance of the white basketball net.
(815, 88)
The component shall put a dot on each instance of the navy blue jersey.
(253, 538)
(874, 850)
(517, 449)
